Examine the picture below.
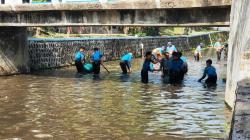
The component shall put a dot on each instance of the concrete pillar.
(239, 48)
(14, 57)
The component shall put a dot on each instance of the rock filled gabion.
(53, 53)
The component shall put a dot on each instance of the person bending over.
(80, 60)
(126, 63)
(210, 72)
(96, 61)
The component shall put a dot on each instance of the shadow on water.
(59, 104)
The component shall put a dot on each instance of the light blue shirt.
(97, 56)
(184, 59)
(217, 44)
(128, 57)
(172, 48)
(79, 56)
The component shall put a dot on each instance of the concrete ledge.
(120, 5)
(241, 118)
(217, 24)
(214, 16)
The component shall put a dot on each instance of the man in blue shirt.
(176, 68)
(80, 60)
(165, 64)
(126, 63)
(146, 67)
(96, 61)
(210, 72)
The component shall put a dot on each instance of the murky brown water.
(58, 104)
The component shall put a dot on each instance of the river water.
(58, 104)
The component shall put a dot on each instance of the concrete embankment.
(241, 117)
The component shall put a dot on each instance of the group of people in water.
(168, 60)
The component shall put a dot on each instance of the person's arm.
(129, 67)
(204, 76)
(83, 58)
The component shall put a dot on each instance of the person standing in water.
(96, 61)
(125, 63)
(80, 60)
(197, 52)
(165, 64)
(210, 72)
(171, 48)
(218, 46)
(146, 67)
(176, 73)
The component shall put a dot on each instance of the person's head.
(148, 55)
(169, 43)
(175, 55)
(166, 54)
(130, 54)
(159, 56)
(96, 49)
(179, 54)
(81, 49)
(201, 44)
(209, 62)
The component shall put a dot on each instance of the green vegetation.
(143, 31)
(109, 31)
(41, 0)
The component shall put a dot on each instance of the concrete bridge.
(118, 13)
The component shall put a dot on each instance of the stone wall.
(53, 53)
(14, 56)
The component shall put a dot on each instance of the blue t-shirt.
(184, 59)
(176, 66)
(210, 71)
(128, 57)
(97, 55)
(171, 48)
(79, 56)
(146, 65)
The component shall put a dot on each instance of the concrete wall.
(119, 13)
(214, 16)
(238, 80)
(239, 48)
(52, 53)
(13, 51)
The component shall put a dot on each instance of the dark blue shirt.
(97, 55)
(176, 65)
(210, 71)
(146, 65)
